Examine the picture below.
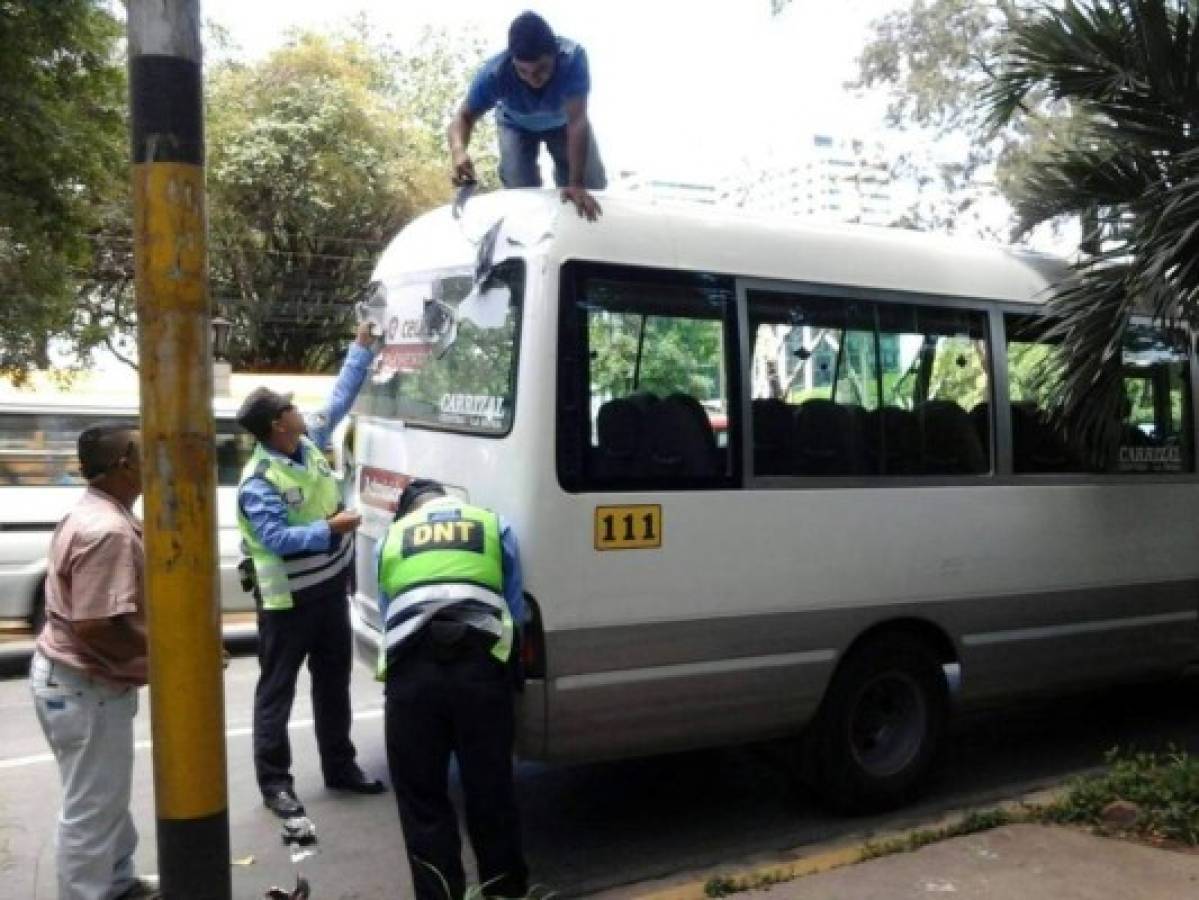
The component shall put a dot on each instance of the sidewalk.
(1029, 862)
(1021, 861)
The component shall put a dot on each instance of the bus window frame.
(818, 290)
(1000, 312)
(573, 400)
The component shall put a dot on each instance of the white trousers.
(89, 725)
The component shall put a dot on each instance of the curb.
(764, 875)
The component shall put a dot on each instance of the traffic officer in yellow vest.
(452, 597)
(300, 542)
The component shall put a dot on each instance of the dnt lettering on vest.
(462, 534)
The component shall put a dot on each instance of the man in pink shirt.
(89, 662)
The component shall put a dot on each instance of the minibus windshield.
(449, 353)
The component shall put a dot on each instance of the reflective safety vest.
(445, 559)
(311, 494)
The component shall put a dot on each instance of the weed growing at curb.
(480, 891)
(981, 820)
(722, 885)
(1164, 787)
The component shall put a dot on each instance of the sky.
(681, 89)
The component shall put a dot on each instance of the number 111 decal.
(628, 527)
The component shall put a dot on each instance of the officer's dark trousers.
(442, 702)
(316, 629)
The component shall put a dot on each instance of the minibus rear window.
(449, 354)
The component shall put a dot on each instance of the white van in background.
(40, 481)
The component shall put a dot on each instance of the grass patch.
(982, 820)
(723, 885)
(1164, 786)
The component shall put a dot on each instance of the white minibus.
(776, 479)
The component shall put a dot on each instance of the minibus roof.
(697, 238)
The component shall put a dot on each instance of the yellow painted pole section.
(180, 470)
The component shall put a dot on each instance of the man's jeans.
(89, 724)
(518, 158)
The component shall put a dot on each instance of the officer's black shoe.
(283, 803)
(356, 782)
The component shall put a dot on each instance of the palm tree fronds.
(1130, 71)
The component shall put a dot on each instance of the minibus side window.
(908, 392)
(1152, 434)
(654, 377)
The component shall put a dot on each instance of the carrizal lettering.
(477, 405)
(1171, 455)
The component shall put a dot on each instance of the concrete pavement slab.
(1030, 862)
(361, 845)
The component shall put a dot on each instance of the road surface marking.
(18, 762)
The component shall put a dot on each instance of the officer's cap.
(261, 408)
(415, 489)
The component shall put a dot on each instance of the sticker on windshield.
(405, 347)
(486, 309)
(480, 410)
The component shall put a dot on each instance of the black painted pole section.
(175, 361)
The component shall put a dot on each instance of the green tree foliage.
(675, 354)
(936, 60)
(1130, 68)
(62, 151)
(317, 156)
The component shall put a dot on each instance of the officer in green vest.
(452, 602)
(300, 543)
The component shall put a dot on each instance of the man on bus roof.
(539, 88)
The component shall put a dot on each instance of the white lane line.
(18, 762)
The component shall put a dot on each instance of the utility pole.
(175, 360)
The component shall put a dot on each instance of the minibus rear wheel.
(880, 724)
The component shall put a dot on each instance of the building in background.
(828, 179)
(666, 191)
(824, 178)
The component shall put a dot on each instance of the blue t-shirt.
(518, 105)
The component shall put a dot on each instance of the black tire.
(879, 727)
(37, 614)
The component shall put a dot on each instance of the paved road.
(588, 827)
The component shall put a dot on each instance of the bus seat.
(620, 427)
(949, 444)
(822, 438)
(980, 417)
(859, 422)
(681, 440)
(774, 435)
(1037, 445)
(895, 445)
